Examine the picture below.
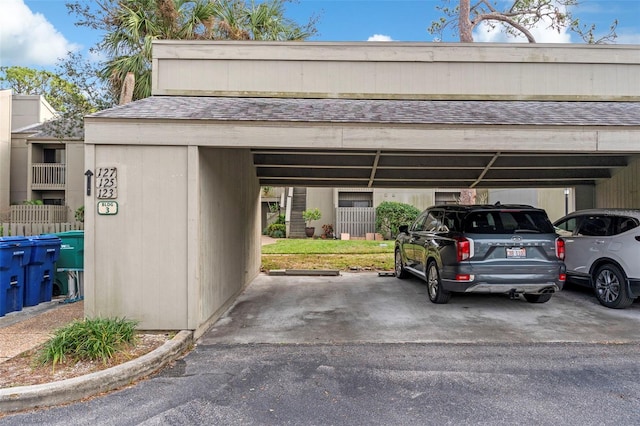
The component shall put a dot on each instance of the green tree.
(74, 90)
(130, 26)
(60, 93)
(390, 215)
(517, 19)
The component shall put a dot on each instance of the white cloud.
(28, 39)
(379, 37)
(541, 32)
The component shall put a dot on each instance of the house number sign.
(107, 207)
(107, 183)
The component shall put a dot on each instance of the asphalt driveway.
(359, 349)
(367, 308)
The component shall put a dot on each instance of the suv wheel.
(434, 285)
(538, 298)
(610, 286)
(399, 267)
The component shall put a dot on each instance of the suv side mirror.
(403, 229)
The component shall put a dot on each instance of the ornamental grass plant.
(88, 339)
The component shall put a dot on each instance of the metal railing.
(48, 176)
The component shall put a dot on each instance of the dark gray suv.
(511, 249)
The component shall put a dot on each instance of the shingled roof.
(460, 112)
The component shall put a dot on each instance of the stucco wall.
(229, 234)
(322, 198)
(75, 179)
(396, 70)
(5, 150)
(419, 198)
(19, 170)
(622, 190)
(136, 260)
(185, 240)
(30, 109)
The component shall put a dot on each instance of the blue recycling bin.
(41, 269)
(15, 255)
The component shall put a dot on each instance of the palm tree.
(132, 25)
(136, 23)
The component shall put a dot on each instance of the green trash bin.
(71, 257)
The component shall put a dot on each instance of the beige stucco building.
(173, 219)
(35, 165)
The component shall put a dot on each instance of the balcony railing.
(48, 176)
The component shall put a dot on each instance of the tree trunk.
(464, 22)
(126, 94)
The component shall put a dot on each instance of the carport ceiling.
(398, 169)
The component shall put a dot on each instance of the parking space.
(363, 307)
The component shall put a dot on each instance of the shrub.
(88, 339)
(79, 214)
(276, 230)
(390, 215)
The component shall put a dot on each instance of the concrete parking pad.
(365, 307)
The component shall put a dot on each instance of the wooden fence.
(27, 213)
(356, 221)
(28, 229)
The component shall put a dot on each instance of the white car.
(603, 252)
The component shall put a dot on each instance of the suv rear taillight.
(560, 248)
(463, 249)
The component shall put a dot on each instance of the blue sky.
(35, 33)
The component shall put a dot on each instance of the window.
(355, 199)
(417, 225)
(508, 222)
(596, 226)
(451, 222)
(567, 227)
(433, 222)
(624, 224)
(447, 197)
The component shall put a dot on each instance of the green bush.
(390, 215)
(276, 230)
(79, 215)
(88, 339)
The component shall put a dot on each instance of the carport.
(228, 117)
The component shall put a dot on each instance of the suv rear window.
(507, 222)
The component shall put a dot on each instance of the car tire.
(399, 266)
(434, 285)
(538, 298)
(610, 285)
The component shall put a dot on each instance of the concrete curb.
(65, 391)
(304, 272)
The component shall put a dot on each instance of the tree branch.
(506, 20)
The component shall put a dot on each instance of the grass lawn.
(328, 254)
